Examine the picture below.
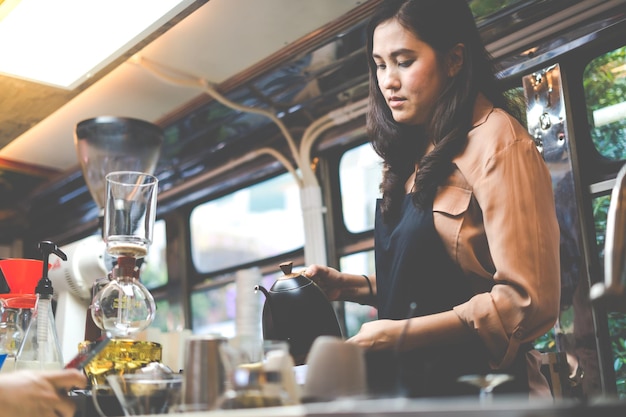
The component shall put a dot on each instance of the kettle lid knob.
(286, 267)
(290, 278)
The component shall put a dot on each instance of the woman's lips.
(396, 102)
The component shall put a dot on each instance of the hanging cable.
(311, 200)
(185, 80)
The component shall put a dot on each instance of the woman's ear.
(456, 59)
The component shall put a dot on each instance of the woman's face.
(409, 74)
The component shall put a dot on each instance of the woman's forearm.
(434, 330)
(425, 331)
(358, 288)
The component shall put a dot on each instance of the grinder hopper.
(105, 144)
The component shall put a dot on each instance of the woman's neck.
(409, 185)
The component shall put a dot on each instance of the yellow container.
(120, 356)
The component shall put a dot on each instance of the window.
(154, 269)
(605, 93)
(517, 103)
(356, 314)
(359, 176)
(214, 309)
(360, 173)
(169, 316)
(484, 8)
(254, 223)
(616, 320)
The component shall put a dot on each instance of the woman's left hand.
(378, 334)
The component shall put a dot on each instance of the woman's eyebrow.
(396, 53)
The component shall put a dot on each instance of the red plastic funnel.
(20, 301)
(22, 275)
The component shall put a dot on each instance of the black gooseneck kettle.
(298, 311)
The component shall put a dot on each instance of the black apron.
(412, 266)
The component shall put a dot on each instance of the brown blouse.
(497, 218)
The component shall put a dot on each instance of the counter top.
(448, 407)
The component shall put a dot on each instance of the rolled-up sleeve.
(513, 189)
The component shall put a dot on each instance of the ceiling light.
(65, 42)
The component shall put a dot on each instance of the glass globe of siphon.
(124, 305)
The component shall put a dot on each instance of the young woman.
(466, 236)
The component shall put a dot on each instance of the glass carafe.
(40, 349)
(10, 334)
(15, 316)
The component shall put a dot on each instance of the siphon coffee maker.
(120, 304)
(124, 306)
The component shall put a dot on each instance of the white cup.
(335, 369)
(276, 358)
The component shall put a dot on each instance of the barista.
(466, 229)
(27, 393)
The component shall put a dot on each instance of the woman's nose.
(388, 80)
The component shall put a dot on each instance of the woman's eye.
(381, 66)
(405, 64)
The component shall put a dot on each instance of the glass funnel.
(129, 213)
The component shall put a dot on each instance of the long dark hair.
(442, 24)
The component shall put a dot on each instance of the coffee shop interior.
(132, 133)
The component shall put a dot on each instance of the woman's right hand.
(27, 393)
(327, 278)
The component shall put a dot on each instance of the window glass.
(154, 268)
(605, 93)
(257, 222)
(359, 177)
(616, 320)
(357, 314)
(169, 316)
(517, 103)
(484, 8)
(214, 309)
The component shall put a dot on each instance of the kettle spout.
(263, 290)
(268, 298)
